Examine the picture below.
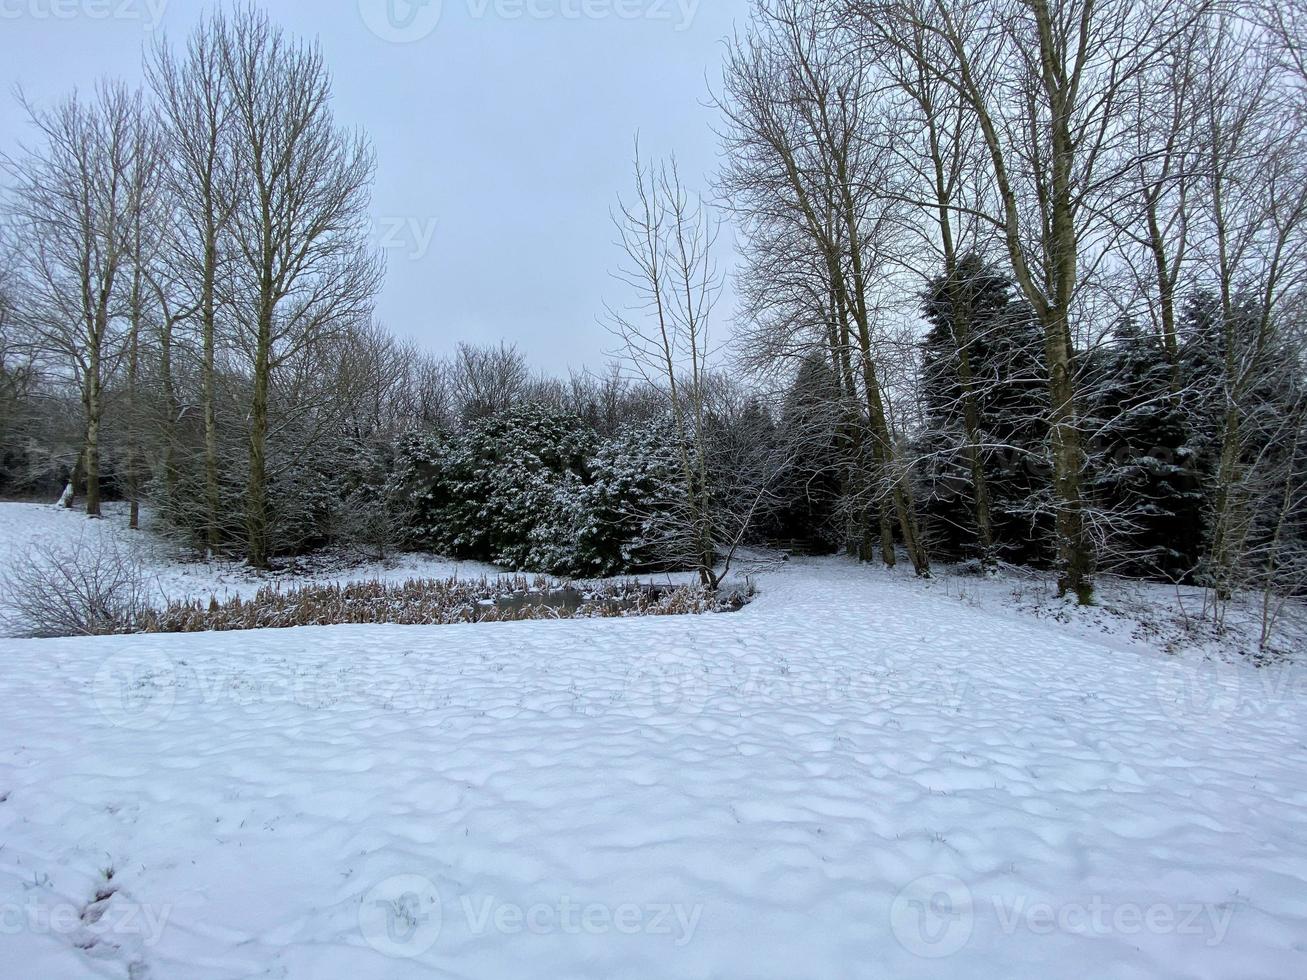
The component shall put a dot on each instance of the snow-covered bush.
(554, 539)
(635, 485)
(506, 490)
(535, 487)
(93, 586)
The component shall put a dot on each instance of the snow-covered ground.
(175, 573)
(859, 775)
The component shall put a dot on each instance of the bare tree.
(805, 165)
(667, 240)
(1252, 201)
(1286, 23)
(17, 370)
(610, 400)
(1155, 211)
(170, 315)
(74, 206)
(304, 271)
(790, 313)
(193, 95)
(937, 147)
(371, 373)
(1048, 83)
(143, 243)
(429, 403)
(93, 586)
(487, 380)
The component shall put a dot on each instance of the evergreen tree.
(636, 479)
(1008, 392)
(1144, 474)
(533, 487)
(809, 493)
(482, 494)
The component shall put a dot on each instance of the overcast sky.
(503, 131)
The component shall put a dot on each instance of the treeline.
(1098, 207)
(1022, 281)
(196, 252)
(187, 298)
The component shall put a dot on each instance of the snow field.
(856, 776)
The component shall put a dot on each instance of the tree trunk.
(256, 505)
(208, 326)
(1165, 293)
(171, 409)
(887, 552)
(133, 465)
(1074, 554)
(91, 448)
(882, 441)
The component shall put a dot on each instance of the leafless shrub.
(93, 586)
